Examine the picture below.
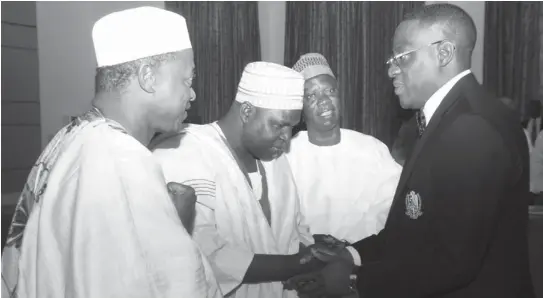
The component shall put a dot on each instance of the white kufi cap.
(137, 33)
(311, 65)
(271, 86)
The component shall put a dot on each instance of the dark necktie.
(421, 122)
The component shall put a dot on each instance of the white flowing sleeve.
(386, 177)
(229, 262)
(126, 237)
(187, 164)
(304, 230)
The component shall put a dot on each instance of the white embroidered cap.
(137, 33)
(311, 65)
(271, 86)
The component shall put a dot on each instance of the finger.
(329, 239)
(309, 283)
(178, 188)
(323, 251)
(306, 259)
(319, 237)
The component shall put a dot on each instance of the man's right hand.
(184, 199)
(333, 280)
(328, 249)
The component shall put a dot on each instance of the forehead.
(187, 56)
(183, 64)
(320, 80)
(290, 117)
(412, 34)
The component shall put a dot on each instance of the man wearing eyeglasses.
(457, 224)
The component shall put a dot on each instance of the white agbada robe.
(101, 224)
(230, 225)
(346, 189)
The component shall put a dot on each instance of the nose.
(286, 134)
(393, 70)
(192, 95)
(323, 98)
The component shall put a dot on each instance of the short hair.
(115, 78)
(455, 23)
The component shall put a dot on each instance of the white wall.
(21, 134)
(66, 57)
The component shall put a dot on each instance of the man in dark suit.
(457, 225)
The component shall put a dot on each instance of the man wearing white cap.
(95, 218)
(346, 180)
(247, 213)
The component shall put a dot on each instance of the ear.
(246, 111)
(146, 78)
(446, 51)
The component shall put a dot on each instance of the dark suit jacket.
(458, 222)
(405, 142)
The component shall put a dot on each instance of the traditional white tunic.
(100, 224)
(346, 189)
(230, 225)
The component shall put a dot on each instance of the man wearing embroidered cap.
(346, 180)
(457, 223)
(95, 218)
(247, 218)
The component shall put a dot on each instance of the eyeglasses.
(400, 59)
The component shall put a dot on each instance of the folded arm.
(127, 239)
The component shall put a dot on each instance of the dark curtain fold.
(225, 37)
(512, 52)
(356, 38)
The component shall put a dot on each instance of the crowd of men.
(241, 208)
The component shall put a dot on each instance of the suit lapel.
(445, 105)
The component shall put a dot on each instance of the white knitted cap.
(311, 65)
(137, 33)
(271, 86)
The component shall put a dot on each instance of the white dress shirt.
(435, 100)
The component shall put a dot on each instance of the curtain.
(356, 39)
(511, 53)
(225, 38)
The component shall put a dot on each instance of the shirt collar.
(433, 102)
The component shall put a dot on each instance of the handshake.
(335, 279)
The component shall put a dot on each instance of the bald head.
(454, 23)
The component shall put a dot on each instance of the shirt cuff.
(356, 257)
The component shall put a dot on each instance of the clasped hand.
(332, 280)
(184, 200)
(326, 249)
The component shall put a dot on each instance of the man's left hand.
(333, 280)
(184, 200)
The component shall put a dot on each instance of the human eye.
(403, 57)
(190, 80)
(310, 97)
